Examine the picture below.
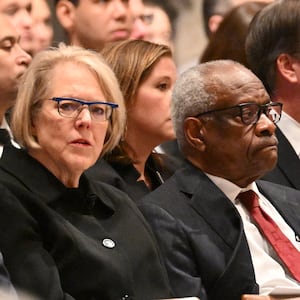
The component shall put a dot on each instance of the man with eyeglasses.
(225, 126)
(272, 49)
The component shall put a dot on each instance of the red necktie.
(289, 255)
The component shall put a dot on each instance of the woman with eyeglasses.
(63, 236)
(146, 73)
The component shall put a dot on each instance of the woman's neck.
(139, 155)
(69, 178)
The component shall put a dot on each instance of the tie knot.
(4, 136)
(249, 199)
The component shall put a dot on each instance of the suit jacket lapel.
(206, 198)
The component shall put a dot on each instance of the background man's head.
(91, 24)
(13, 63)
(42, 30)
(139, 23)
(19, 13)
(273, 42)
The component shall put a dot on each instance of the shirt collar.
(4, 125)
(230, 189)
(291, 129)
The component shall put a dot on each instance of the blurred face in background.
(149, 115)
(159, 26)
(42, 30)
(19, 13)
(139, 26)
(91, 24)
(13, 63)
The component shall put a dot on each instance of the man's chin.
(268, 167)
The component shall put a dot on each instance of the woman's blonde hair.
(35, 88)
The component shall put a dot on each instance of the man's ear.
(194, 132)
(65, 14)
(287, 66)
(214, 22)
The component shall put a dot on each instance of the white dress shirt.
(291, 130)
(4, 125)
(271, 276)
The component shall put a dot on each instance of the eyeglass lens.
(70, 109)
(251, 112)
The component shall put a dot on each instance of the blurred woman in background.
(146, 73)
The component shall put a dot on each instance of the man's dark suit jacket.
(5, 284)
(201, 235)
(287, 170)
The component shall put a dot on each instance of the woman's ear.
(194, 134)
(287, 66)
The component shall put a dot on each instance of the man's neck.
(290, 103)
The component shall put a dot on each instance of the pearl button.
(108, 243)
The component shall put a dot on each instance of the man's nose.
(265, 126)
(23, 57)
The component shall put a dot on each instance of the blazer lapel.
(205, 198)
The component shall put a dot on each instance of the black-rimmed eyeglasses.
(251, 112)
(71, 108)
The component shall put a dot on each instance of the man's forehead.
(240, 87)
(7, 29)
(137, 7)
(18, 3)
(251, 92)
(231, 76)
